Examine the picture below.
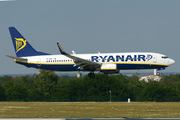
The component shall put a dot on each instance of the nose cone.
(171, 62)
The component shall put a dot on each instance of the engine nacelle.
(107, 68)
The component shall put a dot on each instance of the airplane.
(107, 63)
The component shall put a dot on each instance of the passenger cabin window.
(164, 57)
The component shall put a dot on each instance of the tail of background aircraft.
(21, 46)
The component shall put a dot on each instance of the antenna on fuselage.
(73, 52)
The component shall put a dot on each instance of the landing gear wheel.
(91, 75)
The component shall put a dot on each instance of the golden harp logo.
(20, 44)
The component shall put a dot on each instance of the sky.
(89, 26)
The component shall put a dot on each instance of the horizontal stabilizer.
(17, 58)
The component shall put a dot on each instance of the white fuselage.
(133, 60)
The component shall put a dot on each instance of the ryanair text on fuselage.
(120, 58)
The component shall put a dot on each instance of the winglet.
(60, 48)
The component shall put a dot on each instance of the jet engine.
(107, 68)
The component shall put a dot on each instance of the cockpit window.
(164, 57)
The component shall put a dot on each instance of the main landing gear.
(91, 74)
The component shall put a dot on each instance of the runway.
(90, 119)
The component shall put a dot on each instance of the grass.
(89, 110)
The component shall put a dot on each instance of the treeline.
(47, 86)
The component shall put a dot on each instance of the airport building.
(150, 77)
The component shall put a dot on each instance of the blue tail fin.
(21, 45)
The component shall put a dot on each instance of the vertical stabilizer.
(21, 46)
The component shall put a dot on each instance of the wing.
(82, 63)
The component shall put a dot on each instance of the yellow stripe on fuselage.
(108, 68)
(57, 63)
(138, 63)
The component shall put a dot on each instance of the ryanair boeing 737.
(108, 63)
